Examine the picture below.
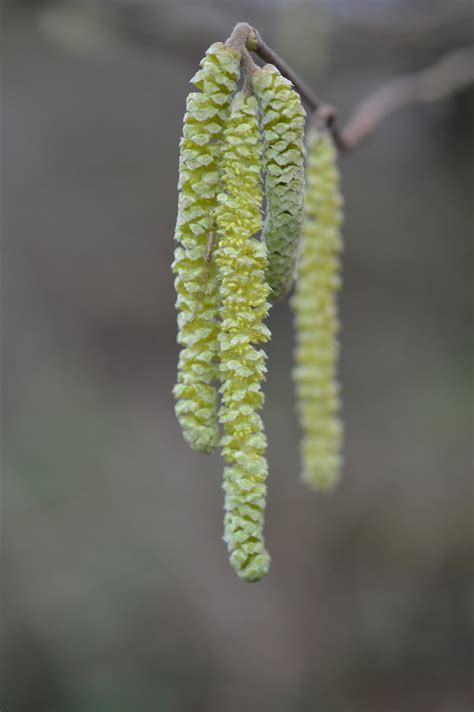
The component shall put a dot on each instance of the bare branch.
(450, 74)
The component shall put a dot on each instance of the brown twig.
(449, 75)
(262, 50)
(239, 39)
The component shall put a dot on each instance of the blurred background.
(118, 596)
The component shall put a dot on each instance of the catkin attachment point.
(196, 277)
(241, 262)
(316, 322)
(283, 118)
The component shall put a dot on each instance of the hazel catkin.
(241, 262)
(196, 282)
(315, 308)
(283, 119)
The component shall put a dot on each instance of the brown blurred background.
(118, 596)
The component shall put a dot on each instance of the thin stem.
(239, 35)
(262, 50)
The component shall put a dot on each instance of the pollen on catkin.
(283, 119)
(316, 321)
(196, 281)
(241, 263)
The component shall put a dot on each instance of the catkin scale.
(196, 279)
(241, 263)
(283, 119)
(316, 321)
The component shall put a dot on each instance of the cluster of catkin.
(226, 275)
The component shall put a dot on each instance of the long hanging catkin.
(283, 119)
(315, 308)
(196, 282)
(241, 262)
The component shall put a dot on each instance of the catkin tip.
(254, 569)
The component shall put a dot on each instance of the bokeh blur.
(118, 596)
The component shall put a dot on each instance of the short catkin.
(196, 281)
(315, 309)
(283, 118)
(241, 262)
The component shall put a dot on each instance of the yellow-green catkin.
(241, 262)
(196, 281)
(283, 118)
(315, 308)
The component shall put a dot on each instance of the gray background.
(117, 590)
